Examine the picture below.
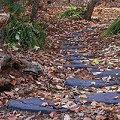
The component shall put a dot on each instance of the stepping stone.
(71, 43)
(73, 58)
(71, 47)
(80, 61)
(83, 55)
(70, 38)
(80, 33)
(74, 40)
(109, 98)
(77, 34)
(95, 71)
(34, 105)
(79, 65)
(112, 73)
(67, 38)
(75, 82)
(77, 41)
(73, 50)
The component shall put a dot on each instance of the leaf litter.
(50, 84)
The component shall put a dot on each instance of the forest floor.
(50, 85)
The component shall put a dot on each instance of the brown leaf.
(87, 118)
(53, 114)
(12, 118)
(13, 82)
(100, 117)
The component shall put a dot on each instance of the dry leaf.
(45, 104)
(83, 96)
(52, 114)
(67, 117)
(12, 118)
(100, 117)
(13, 82)
(87, 118)
(93, 83)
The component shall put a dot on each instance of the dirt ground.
(50, 84)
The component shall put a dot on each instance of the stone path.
(76, 61)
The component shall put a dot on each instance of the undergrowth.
(113, 29)
(20, 31)
(73, 12)
(25, 34)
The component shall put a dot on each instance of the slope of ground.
(50, 84)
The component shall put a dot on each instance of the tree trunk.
(90, 7)
(34, 9)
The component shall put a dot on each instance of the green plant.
(14, 7)
(73, 12)
(113, 29)
(20, 31)
(26, 34)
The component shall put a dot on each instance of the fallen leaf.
(95, 61)
(100, 117)
(45, 104)
(67, 117)
(13, 82)
(52, 114)
(59, 87)
(83, 96)
(93, 83)
(12, 118)
(118, 116)
(87, 118)
(116, 97)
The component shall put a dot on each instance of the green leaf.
(17, 37)
(36, 47)
(95, 61)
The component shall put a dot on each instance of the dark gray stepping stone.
(66, 38)
(77, 34)
(75, 82)
(95, 70)
(112, 73)
(78, 61)
(83, 55)
(73, 50)
(109, 98)
(73, 40)
(71, 47)
(82, 63)
(76, 51)
(73, 58)
(34, 105)
(79, 65)
(71, 44)
(80, 33)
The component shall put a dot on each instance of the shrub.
(113, 29)
(20, 31)
(14, 7)
(73, 12)
(25, 34)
